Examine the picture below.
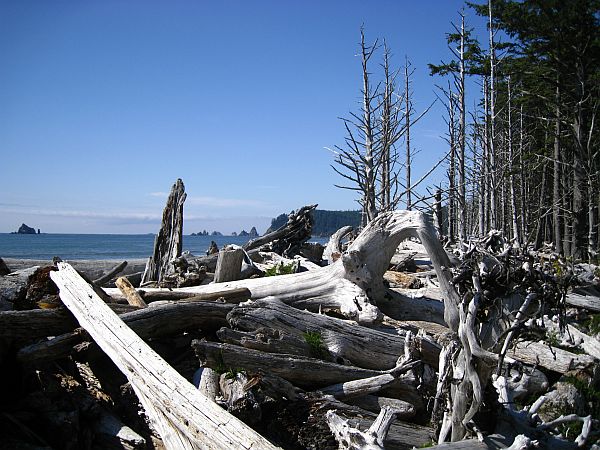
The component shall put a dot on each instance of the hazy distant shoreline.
(101, 246)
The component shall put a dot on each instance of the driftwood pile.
(492, 349)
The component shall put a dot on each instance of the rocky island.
(24, 229)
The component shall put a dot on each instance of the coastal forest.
(523, 160)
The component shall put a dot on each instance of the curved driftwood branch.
(355, 282)
(333, 250)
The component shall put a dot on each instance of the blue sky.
(104, 104)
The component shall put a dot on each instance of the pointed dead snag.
(168, 242)
(183, 416)
(355, 281)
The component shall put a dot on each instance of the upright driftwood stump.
(229, 264)
(169, 240)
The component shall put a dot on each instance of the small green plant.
(593, 324)
(552, 338)
(280, 269)
(221, 368)
(231, 373)
(315, 343)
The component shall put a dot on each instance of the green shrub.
(315, 343)
(281, 269)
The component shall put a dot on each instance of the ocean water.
(98, 246)
(101, 246)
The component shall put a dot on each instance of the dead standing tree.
(360, 162)
(169, 240)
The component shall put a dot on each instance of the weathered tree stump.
(169, 240)
(229, 265)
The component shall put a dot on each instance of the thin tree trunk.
(408, 154)
(556, 200)
(370, 172)
(492, 149)
(452, 171)
(525, 212)
(484, 172)
(511, 178)
(462, 217)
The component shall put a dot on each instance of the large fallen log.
(352, 283)
(414, 304)
(33, 324)
(169, 240)
(93, 268)
(158, 320)
(363, 347)
(184, 417)
(400, 436)
(229, 265)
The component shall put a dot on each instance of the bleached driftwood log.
(414, 304)
(400, 435)
(269, 340)
(184, 417)
(169, 240)
(236, 295)
(34, 324)
(333, 249)
(584, 298)
(374, 404)
(353, 283)
(209, 383)
(13, 287)
(132, 296)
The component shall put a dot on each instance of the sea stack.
(24, 229)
